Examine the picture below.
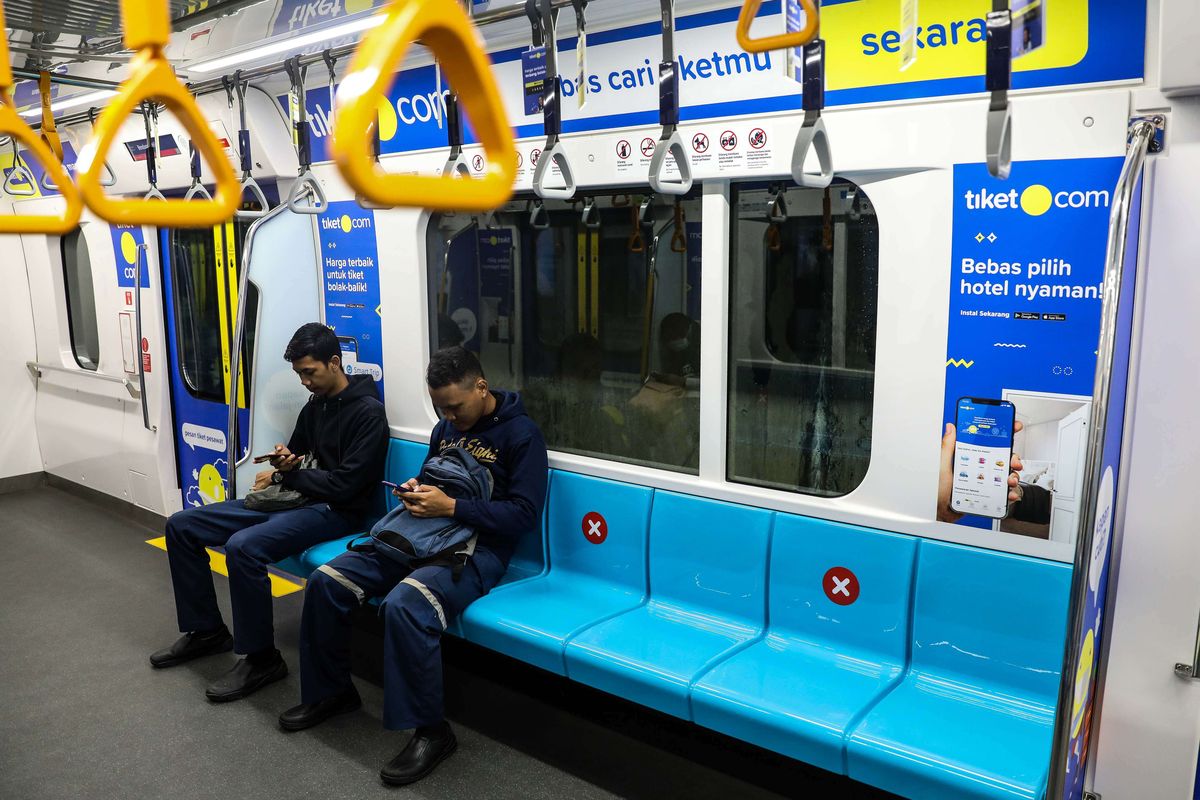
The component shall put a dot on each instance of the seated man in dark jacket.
(344, 427)
(419, 604)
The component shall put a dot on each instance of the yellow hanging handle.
(782, 41)
(445, 28)
(147, 30)
(12, 125)
(49, 131)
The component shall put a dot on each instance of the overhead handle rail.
(445, 28)
(456, 164)
(999, 81)
(150, 120)
(591, 214)
(147, 30)
(306, 185)
(783, 41)
(812, 136)
(376, 148)
(331, 65)
(669, 143)
(544, 17)
(48, 131)
(246, 156)
(12, 126)
(539, 218)
(197, 188)
(109, 179)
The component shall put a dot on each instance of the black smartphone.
(982, 456)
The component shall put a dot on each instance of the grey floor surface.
(84, 600)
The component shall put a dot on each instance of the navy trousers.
(252, 540)
(417, 606)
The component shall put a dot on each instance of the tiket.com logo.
(345, 223)
(1037, 199)
(307, 13)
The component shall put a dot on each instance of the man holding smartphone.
(343, 426)
(419, 603)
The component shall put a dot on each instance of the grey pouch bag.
(276, 497)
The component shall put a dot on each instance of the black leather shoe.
(245, 679)
(193, 645)
(425, 750)
(306, 715)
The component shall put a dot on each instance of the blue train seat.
(707, 599)
(973, 716)
(597, 570)
(822, 663)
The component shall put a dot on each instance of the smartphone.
(982, 456)
(267, 457)
(391, 485)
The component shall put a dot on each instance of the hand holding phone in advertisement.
(947, 473)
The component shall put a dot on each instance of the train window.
(802, 337)
(81, 300)
(205, 269)
(590, 309)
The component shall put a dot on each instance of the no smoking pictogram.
(595, 527)
(758, 138)
(648, 146)
(728, 141)
(700, 143)
(477, 163)
(841, 586)
(624, 148)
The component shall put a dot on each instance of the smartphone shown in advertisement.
(349, 353)
(982, 456)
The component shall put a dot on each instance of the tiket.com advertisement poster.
(1027, 262)
(350, 256)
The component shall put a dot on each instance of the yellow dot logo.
(972, 429)
(388, 122)
(345, 223)
(1083, 682)
(128, 247)
(1035, 200)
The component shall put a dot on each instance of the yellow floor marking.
(279, 586)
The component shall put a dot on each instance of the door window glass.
(81, 300)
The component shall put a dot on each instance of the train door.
(202, 270)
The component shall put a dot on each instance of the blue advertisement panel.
(1106, 512)
(351, 269)
(125, 241)
(1027, 261)
(496, 251)
(458, 290)
(1079, 42)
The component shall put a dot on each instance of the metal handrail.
(1118, 232)
(37, 369)
(140, 259)
(235, 357)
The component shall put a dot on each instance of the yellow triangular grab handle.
(147, 29)
(12, 125)
(444, 27)
(782, 41)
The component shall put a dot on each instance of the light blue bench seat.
(822, 664)
(973, 716)
(597, 568)
(707, 598)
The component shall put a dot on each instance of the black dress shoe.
(246, 678)
(306, 715)
(425, 750)
(193, 645)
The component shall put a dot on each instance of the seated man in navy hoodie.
(343, 424)
(418, 604)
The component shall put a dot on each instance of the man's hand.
(263, 479)
(409, 485)
(284, 460)
(427, 502)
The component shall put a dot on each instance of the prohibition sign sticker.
(700, 142)
(841, 586)
(624, 148)
(758, 138)
(534, 155)
(595, 527)
(648, 146)
(477, 163)
(728, 141)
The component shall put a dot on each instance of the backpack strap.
(363, 543)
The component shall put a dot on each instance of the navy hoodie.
(510, 445)
(349, 434)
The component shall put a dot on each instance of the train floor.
(84, 600)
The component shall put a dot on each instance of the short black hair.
(456, 365)
(313, 339)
